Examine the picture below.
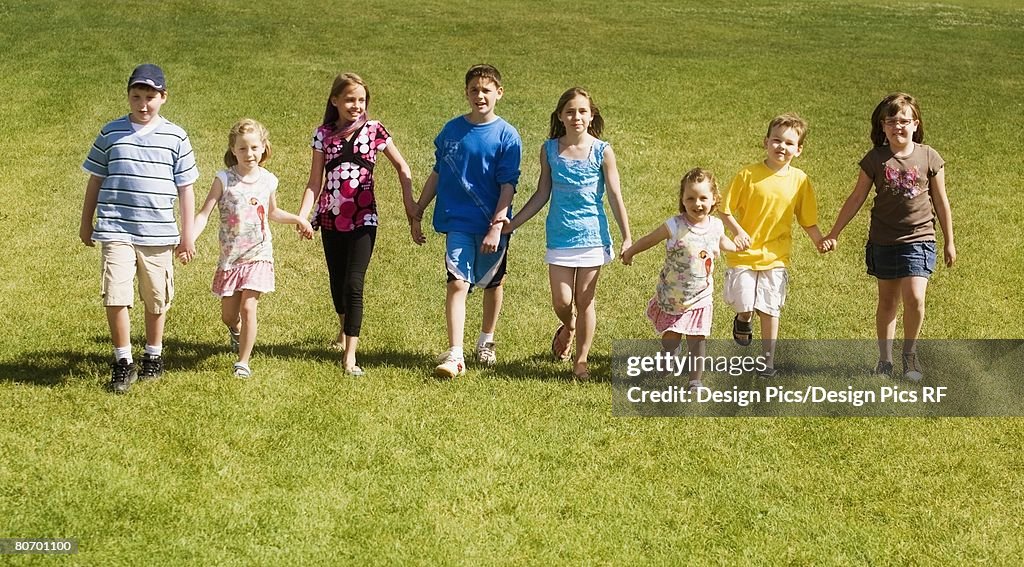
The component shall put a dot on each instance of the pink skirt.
(694, 321)
(254, 276)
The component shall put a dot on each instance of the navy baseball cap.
(148, 74)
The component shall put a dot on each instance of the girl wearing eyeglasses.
(910, 194)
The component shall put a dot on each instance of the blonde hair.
(246, 126)
(699, 175)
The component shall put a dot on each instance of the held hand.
(949, 251)
(742, 241)
(491, 241)
(827, 245)
(416, 230)
(413, 212)
(304, 229)
(185, 252)
(85, 235)
(626, 245)
(627, 257)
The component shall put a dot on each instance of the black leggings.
(348, 256)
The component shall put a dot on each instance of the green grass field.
(301, 465)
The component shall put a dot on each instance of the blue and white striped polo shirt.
(141, 174)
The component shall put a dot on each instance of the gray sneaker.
(122, 375)
(911, 371)
(486, 355)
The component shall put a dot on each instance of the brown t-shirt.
(902, 212)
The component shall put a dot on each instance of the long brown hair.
(331, 115)
(889, 107)
(596, 125)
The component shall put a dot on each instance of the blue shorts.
(900, 260)
(465, 262)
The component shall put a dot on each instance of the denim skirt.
(900, 260)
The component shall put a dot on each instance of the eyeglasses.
(901, 122)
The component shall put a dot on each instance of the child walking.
(246, 195)
(763, 201)
(910, 193)
(476, 170)
(341, 184)
(576, 167)
(682, 303)
(138, 166)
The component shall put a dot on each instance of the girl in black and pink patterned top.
(341, 183)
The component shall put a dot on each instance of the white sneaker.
(451, 367)
(485, 354)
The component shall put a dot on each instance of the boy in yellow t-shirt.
(763, 200)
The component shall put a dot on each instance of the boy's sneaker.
(485, 354)
(884, 367)
(122, 375)
(451, 367)
(911, 371)
(152, 367)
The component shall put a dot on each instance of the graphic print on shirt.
(903, 182)
(452, 157)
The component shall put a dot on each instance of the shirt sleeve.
(185, 169)
(96, 162)
(510, 158)
(732, 198)
(318, 140)
(381, 138)
(806, 205)
(935, 162)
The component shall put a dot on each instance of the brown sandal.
(564, 352)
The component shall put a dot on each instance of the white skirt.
(590, 257)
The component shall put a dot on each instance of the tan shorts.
(762, 290)
(122, 261)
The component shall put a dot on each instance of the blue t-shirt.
(472, 162)
(576, 217)
(141, 173)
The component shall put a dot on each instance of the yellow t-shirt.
(764, 203)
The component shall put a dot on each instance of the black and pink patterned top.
(347, 201)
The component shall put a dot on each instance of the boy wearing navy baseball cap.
(139, 165)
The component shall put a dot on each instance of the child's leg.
(769, 336)
(670, 341)
(912, 290)
(494, 297)
(885, 317)
(584, 294)
(696, 346)
(455, 311)
(155, 328)
(336, 254)
(360, 250)
(248, 303)
(563, 281)
(120, 324)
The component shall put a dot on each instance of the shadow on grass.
(51, 368)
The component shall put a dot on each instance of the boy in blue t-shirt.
(474, 178)
(138, 166)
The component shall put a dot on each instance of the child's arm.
(186, 250)
(203, 216)
(493, 237)
(314, 185)
(404, 178)
(848, 211)
(426, 196)
(819, 241)
(728, 245)
(937, 188)
(740, 236)
(657, 235)
(282, 216)
(92, 194)
(536, 202)
(611, 176)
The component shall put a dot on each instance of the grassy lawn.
(301, 465)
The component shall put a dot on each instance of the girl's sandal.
(581, 375)
(561, 353)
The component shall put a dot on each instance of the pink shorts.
(254, 276)
(694, 321)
